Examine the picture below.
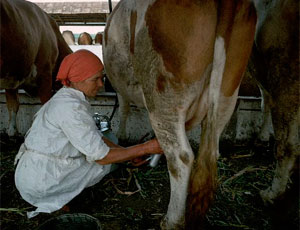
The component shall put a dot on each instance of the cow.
(98, 38)
(32, 49)
(182, 79)
(69, 37)
(275, 65)
(85, 39)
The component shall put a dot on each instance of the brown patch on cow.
(225, 19)
(184, 157)
(99, 38)
(241, 30)
(189, 124)
(45, 89)
(109, 21)
(133, 17)
(85, 39)
(183, 33)
(161, 83)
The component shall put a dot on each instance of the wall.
(243, 126)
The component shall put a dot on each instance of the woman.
(63, 151)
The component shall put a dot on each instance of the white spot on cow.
(217, 73)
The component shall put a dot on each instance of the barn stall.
(137, 198)
(245, 122)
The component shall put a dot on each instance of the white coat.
(57, 159)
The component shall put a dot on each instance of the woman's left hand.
(136, 162)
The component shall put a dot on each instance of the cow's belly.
(9, 83)
(13, 82)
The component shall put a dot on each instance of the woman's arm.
(110, 143)
(117, 155)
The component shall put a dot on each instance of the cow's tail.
(204, 173)
(240, 28)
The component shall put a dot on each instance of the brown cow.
(275, 61)
(69, 37)
(85, 39)
(182, 80)
(98, 38)
(32, 49)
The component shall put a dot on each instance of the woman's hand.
(118, 154)
(153, 147)
(139, 161)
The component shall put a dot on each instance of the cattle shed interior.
(77, 13)
(245, 121)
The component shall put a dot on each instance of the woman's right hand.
(153, 147)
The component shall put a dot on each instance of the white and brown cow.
(275, 61)
(98, 38)
(32, 49)
(69, 37)
(85, 39)
(182, 78)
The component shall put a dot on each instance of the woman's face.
(91, 86)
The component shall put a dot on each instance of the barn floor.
(137, 198)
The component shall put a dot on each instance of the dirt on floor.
(137, 198)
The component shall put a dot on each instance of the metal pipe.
(110, 6)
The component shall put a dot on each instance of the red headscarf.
(78, 66)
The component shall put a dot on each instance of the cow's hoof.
(12, 132)
(267, 196)
(165, 225)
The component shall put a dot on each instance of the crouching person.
(63, 151)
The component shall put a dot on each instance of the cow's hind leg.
(12, 103)
(170, 131)
(45, 88)
(286, 127)
(265, 131)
